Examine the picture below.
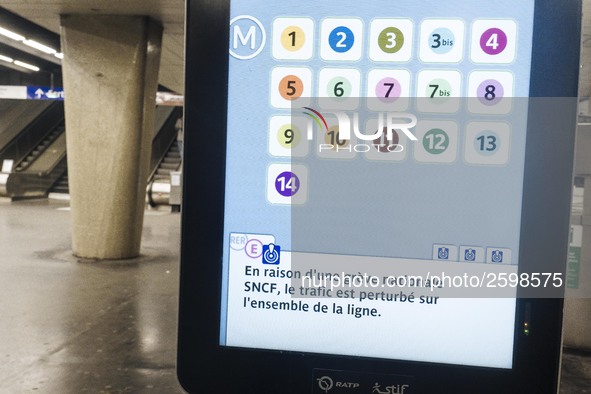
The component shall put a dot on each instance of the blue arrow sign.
(44, 93)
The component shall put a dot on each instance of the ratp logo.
(247, 37)
(325, 383)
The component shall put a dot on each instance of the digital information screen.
(375, 158)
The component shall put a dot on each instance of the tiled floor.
(70, 326)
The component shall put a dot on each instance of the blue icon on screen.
(497, 256)
(271, 254)
(443, 253)
(341, 39)
(470, 255)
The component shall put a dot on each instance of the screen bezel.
(204, 365)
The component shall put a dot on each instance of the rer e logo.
(247, 37)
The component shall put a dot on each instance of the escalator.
(32, 147)
(165, 157)
(48, 141)
(61, 186)
(171, 162)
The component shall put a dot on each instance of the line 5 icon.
(271, 254)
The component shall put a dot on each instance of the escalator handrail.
(169, 133)
(40, 127)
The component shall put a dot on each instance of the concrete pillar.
(110, 72)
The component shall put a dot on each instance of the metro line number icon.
(247, 37)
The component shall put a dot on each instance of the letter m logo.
(247, 37)
(250, 37)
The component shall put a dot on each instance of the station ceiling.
(171, 13)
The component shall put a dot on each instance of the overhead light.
(26, 65)
(6, 59)
(11, 34)
(41, 47)
(31, 43)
